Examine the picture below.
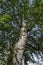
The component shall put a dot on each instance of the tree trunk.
(20, 45)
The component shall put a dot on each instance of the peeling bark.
(20, 45)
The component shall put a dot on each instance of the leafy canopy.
(11, 13)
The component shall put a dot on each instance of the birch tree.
(21, 31)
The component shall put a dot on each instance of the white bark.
(20, 45)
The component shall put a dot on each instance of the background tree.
(13, 15)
